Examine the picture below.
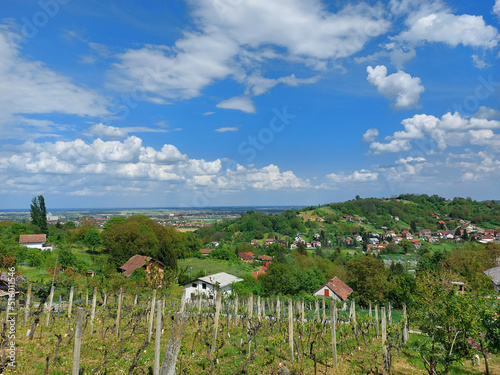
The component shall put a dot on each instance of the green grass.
(34, 273)
(211, 266)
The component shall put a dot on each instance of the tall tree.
(39, 213)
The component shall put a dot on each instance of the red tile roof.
(133, 263)
(339, 288)
(32, 238)
(265, 257)
(246, 256)
(206, 251)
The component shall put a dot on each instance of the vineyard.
(92, 332)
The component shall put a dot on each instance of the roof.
(32, 238)
(265, 257)
(206, 251)
(135, 262)
(246, 256)
(338, 287)
(221, 278)
(494, 273)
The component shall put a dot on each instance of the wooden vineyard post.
(49, 312)
(385, 360)
(389, 314)
(174, 344)
(70, 303)
(152, 316)
(250, 313)
(118, 313)
(135, 300)
(27, 306)
(316, 309)
(376, 321)
(405, 325)
(370, 310)
(290, 328)
(324, 310)
(78, 342)
(258, 308)
(216, 320)
(333, 323)
(87, 297)
(183, 301)
(92, 314)
(199, 304)
(278, 308)
(302, 313)
(156, 368)
(236, 309)
(105, 299)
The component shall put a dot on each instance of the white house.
(208, 286)
(36, 241)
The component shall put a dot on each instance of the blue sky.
(237, 102)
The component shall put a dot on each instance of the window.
(194, 285)
(204, 286)
(327, 292)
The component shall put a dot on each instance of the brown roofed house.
(334, 288)
(36, 241)
(206, 252)
(138, 261)
(246, 257)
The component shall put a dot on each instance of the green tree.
(367, 278)
(93, 239)
(38, 213)
(447, 319)
(413, 226)
(301, 249)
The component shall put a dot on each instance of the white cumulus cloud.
(401, 88)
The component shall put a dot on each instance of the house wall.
(321, 293)
(209, 292)
(37, 245)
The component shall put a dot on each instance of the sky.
(199, 103)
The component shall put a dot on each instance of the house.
(246, 257)
(261, 271)
(254, 242)
(206, 252)
(494, 273)
(269, 241)
(396, 218)
(425, 232)
(334, 288)
(416, 243)
(34, 241)
(138, 261)
(265, 258)
(209, 286)
(406, 234)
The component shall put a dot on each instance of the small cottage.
(138, 261)
(209, 286)
(334, 288)
(35, 241)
